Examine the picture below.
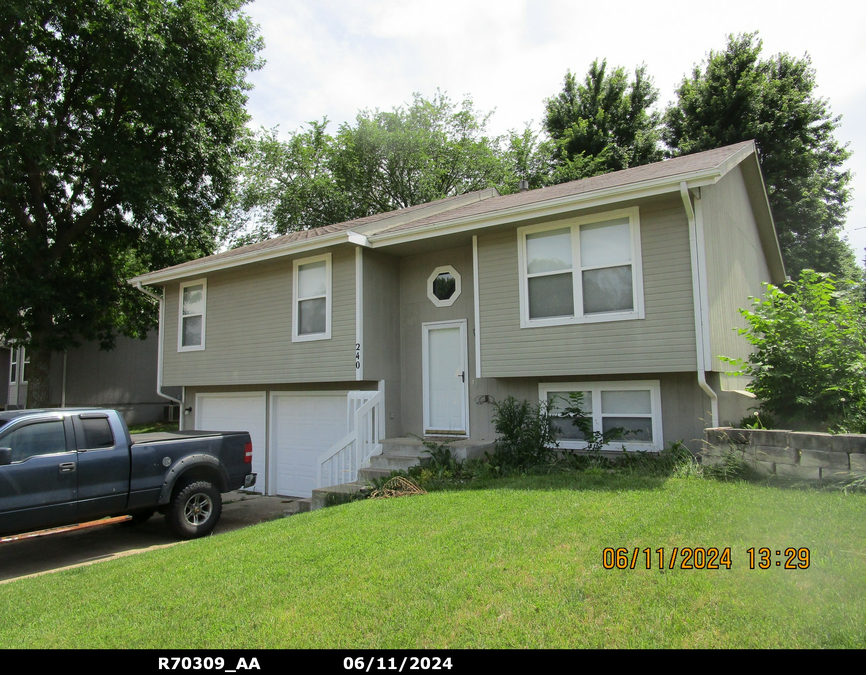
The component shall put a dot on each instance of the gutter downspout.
(698, 306)
(159, 299)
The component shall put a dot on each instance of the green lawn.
(516, 563)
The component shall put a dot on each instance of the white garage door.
(236, 412)
(303, 427)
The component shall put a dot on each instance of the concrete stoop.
(398, 454)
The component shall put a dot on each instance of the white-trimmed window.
(25, 361)
(13, 365)
(191, 320)
(634, 407)
(311, 284)
(444, 286)
(581, 270)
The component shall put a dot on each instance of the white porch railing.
(343, 459)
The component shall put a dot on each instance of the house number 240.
(357, 356)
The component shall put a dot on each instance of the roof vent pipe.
(523, 186)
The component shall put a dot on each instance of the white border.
(574, 223)
(192, 348)
(458, 286)
(653, 386)
(295, 265)
(425, 376)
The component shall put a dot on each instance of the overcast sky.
(335, 57)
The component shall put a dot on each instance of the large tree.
(606, 123)
(385, 160)
(289, 185)
(118, 120)
(412, 155)
(735, 96)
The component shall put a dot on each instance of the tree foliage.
(736, 96)
(289, 185)
(426, 151)
(809, 363)
(604, 124)
(118, 120)
(414, 154)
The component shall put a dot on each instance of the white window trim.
(296, 337)
(458, 286)
(574, 223)
(653, 386)
(23, 362)
(13, 364)
(180, 345)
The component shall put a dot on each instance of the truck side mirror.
(5, 456)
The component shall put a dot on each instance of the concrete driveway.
(70, 549)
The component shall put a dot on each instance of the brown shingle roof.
(688, 164)
(672, 167)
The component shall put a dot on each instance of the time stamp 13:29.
(700, 558)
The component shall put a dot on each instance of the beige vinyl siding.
(735, 265)
(381, 340)
(416, 309)
(663, 341)
(248, 329)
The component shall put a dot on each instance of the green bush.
(526, 436)
(808, 366)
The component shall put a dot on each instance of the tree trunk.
(38, 390)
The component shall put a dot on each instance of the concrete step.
(461, 448)
(336, 494)
(395, 462)
(371, 473)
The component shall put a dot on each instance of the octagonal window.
(443, 286)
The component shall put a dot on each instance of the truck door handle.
(67, 467)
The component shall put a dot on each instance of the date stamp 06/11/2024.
(700, 558)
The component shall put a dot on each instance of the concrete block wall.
(800, 455)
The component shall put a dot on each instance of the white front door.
(446, 389)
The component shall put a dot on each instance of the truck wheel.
(195, 510)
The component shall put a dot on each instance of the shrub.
(526, 436)
(808, 368)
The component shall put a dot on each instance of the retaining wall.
(793, 454)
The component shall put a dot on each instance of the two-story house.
(624, 287)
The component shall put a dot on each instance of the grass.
(509, 563)
(153, 427)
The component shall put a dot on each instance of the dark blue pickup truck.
(64, 466)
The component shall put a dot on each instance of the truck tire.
(195, 510)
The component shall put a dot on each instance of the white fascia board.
(551, 208)
(162, 276)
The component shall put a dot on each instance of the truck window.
(97, 433)
(40, 438)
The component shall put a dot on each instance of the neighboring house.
(123, 378)
(624, 287)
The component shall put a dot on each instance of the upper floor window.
(581, 270)
(444, 286)
(13, 364)
(18, 361)
(193, 306)
(311, 283)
